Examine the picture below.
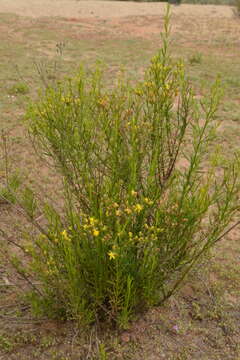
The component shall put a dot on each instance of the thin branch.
(227, 231)
(185, 273)
(9, 240)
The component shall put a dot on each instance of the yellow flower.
(133, 193)
(65, 235)
(92, 220)
(112, 255)
(138, 208)
(95, 232)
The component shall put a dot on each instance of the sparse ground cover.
(203, 320)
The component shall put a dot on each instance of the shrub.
(195, 58)
(19, 89)
(143, 201)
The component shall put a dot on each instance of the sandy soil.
(105, 9)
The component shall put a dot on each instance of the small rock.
(125, 337)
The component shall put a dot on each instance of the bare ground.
(106, 9)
